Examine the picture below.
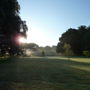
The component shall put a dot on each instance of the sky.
(47, 20)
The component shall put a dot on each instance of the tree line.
(75, 41)
(32, 49)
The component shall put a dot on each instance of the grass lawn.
(45, 73)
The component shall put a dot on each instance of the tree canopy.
(11, 25)
(78, 39)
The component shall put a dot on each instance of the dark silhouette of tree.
(59, 48)
(43, 53)
(86, 41)
(11, 26)
(78, 39)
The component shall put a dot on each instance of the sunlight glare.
(39, 37)
(22, 40)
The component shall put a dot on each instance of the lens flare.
(22, 40)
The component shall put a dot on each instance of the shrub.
(86, 53)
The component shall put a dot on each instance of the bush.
(86, 53)
(67, 50)
(43, 53)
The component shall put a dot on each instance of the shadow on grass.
(43, 74)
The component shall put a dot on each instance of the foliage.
(67, 50)
(86, 53)
(37, 50)
(59, 48)
(11, 26)
(31, 46)
(78, 39)
(43, 53)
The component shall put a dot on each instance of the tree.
(67, 50)
(31, 46)
(70, 37)
(86, 53)
(86, 41)
(43, 53)
(11, 25)
(78, 39)
(59, 48)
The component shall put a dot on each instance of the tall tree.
(78, 39)
(11, 24)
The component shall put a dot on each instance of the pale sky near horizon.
(48, 19)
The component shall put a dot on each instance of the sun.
(22, 40)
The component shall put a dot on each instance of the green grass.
(45, 73)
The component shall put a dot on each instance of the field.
(45, 73)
